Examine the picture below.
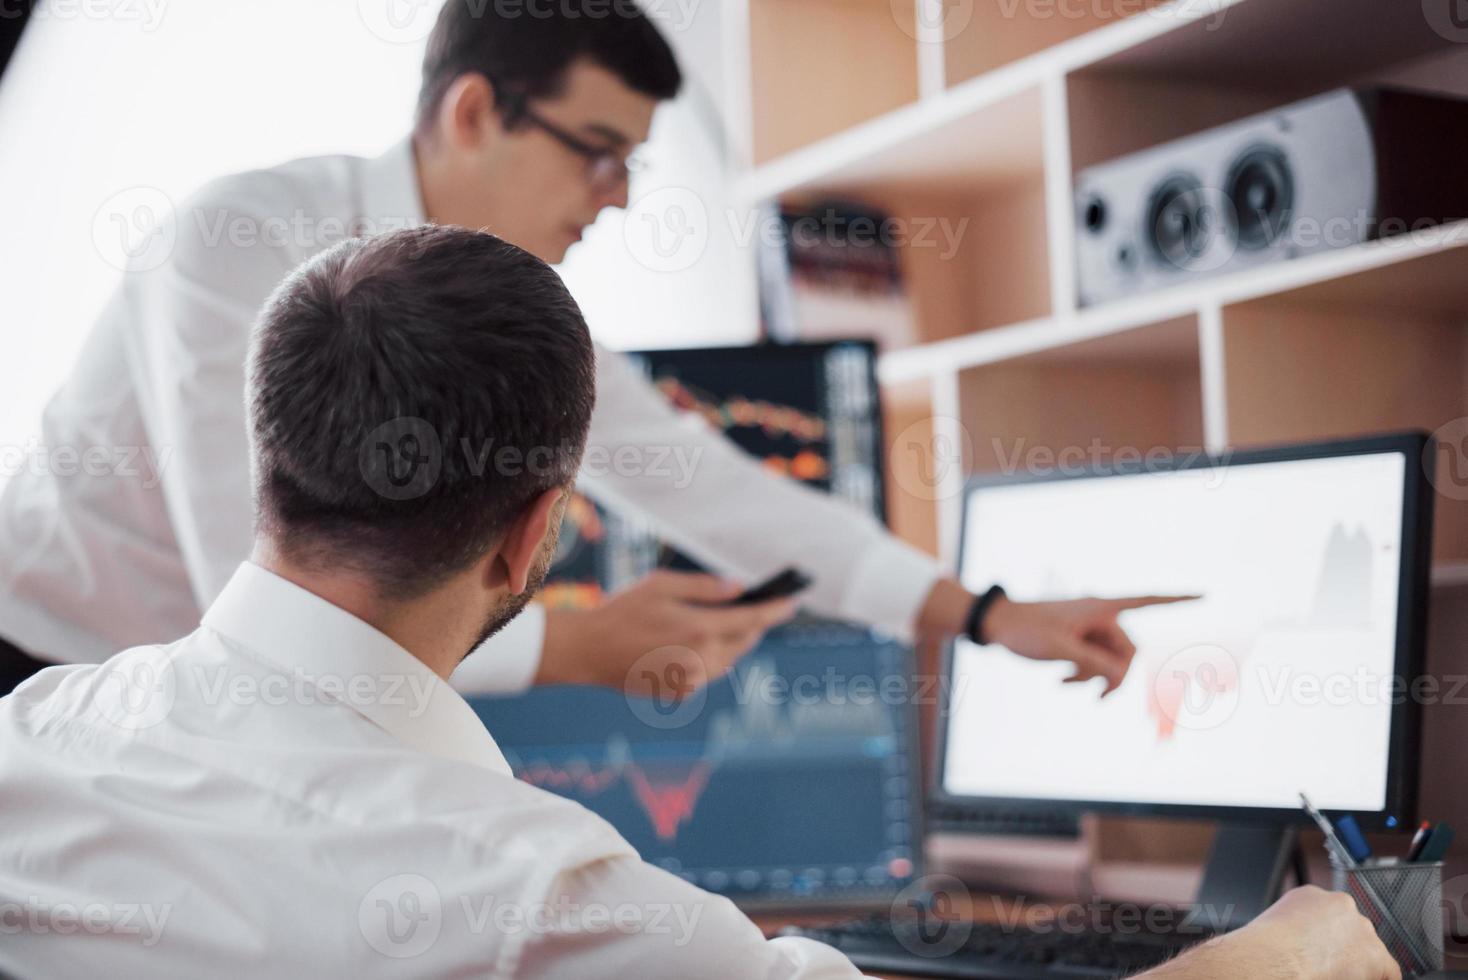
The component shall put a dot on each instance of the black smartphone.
(778, 586)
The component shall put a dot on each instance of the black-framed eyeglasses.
(606, 168)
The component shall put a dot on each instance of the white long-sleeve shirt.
(134, 508)
(287, 792)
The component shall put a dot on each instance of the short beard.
(512, 605)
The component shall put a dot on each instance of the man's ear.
(523, 541)
(466, 115)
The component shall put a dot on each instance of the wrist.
(998, 619)
(567, 632)
(945, 612)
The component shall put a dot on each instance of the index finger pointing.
(1142, 601)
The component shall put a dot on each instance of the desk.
(991, 907)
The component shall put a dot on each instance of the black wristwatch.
(974, 627)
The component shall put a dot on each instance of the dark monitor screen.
(791, 779)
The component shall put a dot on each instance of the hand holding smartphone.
(787, 582)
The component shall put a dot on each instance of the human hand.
(1083, 631)
(673, 618)
(1323, 935)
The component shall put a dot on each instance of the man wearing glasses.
(525, 126)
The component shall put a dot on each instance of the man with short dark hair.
(293, 789)
(526, 122)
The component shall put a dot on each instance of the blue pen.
(1351, 835)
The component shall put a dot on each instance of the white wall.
(106, 95)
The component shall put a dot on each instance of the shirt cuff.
(889, 586)
(507, 662)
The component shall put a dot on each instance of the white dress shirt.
(138, 511)
(288, 792)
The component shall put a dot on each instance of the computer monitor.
(1290, 674)
(794, 780)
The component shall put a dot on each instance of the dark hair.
(410, 394)
(526, 47)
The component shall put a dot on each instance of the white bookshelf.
(871, 99)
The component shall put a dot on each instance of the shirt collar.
(351, 662)
(391, 198)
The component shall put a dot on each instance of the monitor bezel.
(1404, 741)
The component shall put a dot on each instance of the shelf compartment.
(980, 37)
(1380, 351)
(946, 143)
(1131, 393)
(818, 67)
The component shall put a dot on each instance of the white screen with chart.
(1280, 679)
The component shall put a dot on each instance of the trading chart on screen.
(791, 777)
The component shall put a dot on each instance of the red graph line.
(668, 803)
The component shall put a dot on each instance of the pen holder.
(1404, 903)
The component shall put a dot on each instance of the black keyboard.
(946, 817)
(927, 946)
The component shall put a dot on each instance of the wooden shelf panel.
(1296, 372)
(1379, 268)
(1248, 60)
(980, 37)
(1284, 46)
(821, 66)
(1137, 393)
(935, 144)
(858, 136)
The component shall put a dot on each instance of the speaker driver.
(1178, 226)
(1262, 193)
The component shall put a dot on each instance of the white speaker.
(1328, 172)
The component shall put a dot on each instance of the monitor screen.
(1282, 678)
(791, 779)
